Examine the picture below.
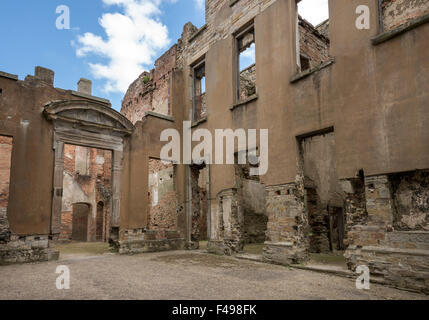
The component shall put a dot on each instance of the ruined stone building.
(347, 114)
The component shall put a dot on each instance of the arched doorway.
(81, 213)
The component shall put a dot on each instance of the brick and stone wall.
(248, 82)
(162, 209)
(390, 238)
(287, 236)
(87, 179)
(398, 12)
(410, 193)
(313, 44)
(5, 163)
(151, 91)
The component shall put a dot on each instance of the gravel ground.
(180, 275)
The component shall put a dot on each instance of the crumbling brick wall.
(5, 163)
(248, 82)
(410, 194)
(162, 209)
(313, 44)
(398, 12)
(151, 91)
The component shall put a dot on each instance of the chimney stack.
(44, 74)
(84, 86)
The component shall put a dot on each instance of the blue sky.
(30, 38)
(110, 41)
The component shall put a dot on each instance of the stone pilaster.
(287, 225)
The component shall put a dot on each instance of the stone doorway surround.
(89, 124)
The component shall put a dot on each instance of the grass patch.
(254, 248)
(203, 245)
(86, 248)
(328, 258)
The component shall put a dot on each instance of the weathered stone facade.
(399, 257)
(5, 162)
(339, 143)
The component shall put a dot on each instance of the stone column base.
(135, 241)
(225, 247)
(27, 249)
(284, 253)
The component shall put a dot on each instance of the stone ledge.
(87, 96)
(198, 122)
(8, 76)
(385, 36)
(243, 102)
(279, 244)
(146, 246)
(390, 250)
(159, 116)
(196, 34)
(306, 73)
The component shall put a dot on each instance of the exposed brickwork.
(313, 44)
(248, 82)
(287, 224)
(27, 249)
(162, 211)
(151, 91)
(5, 163)
(410, 192)
(87, 179)
(399, 257)
(398, 12)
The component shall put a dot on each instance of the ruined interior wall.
(5, 163)
(398, 12)
(323, 28)
(87, 179)
(392, 239)
(248, 82)
(319, 158)
(410, 194)
(251, 194)
(151, 90)
(313, 45)
(203, 195)
(322, 187)
(162, 209)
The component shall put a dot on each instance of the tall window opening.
(312, 33)
(246, 84)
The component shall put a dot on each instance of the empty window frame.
(246, 64)
(199, 91)
(312, 33)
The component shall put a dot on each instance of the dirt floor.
(175, 275)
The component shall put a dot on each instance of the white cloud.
(133, 40)
(314, 11)
(201, 4)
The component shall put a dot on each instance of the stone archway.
(88, 124)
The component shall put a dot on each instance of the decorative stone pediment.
(88, 114)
